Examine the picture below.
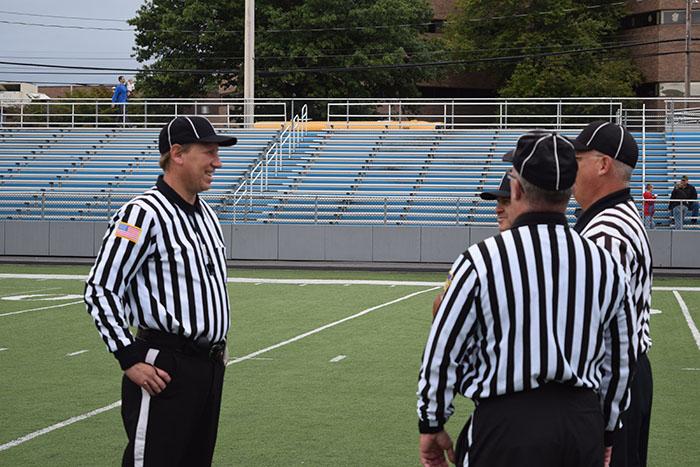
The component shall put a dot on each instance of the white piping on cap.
(170, 143)
(619, 146)
(595, 132)
(534, 148)
(193, 128)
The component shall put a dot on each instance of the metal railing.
(143, 113)
(287, 141)
(551, 113)
(306, 209)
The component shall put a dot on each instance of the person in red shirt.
(649, 206)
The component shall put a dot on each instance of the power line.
(297, 30)
(108, 71)
(39, 15)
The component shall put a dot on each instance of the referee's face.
(200, 163)
(585, 187)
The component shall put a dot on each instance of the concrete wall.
(678, 249)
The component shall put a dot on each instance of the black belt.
(182, 344)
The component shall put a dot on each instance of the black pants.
(553, 426)
(177, 427)
(632, 441)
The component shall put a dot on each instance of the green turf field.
(290, 405)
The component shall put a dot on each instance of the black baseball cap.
(503, 190)
(188, 130)
(546, 159)
(609, 138)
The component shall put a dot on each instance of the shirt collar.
(174, 198)
(603, 203)
(535, 218)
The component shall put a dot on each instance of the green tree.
(545, 30)
(290, 35)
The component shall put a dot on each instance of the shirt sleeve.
(125, 247)
(621, 344)
(439, 379)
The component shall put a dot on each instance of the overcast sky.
(54, 45)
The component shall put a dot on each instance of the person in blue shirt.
(120, 97)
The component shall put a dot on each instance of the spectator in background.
(130, 87)
(649, 206)
(120, 97)
(679, 209)
(692, 206)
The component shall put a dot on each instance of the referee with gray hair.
(535, 328)
(162, 269)
(606, 154)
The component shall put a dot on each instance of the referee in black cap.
(534, 328)
(607, 153)
(502, 197)
(162, 270)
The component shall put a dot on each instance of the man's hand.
(432, 449)
(437, 302)
(608, 456)
(149, 377)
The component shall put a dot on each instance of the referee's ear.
(176, 154)
(516, 189)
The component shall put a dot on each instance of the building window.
(640, 20)
(678, 89)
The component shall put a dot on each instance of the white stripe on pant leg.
(142, 425)
(469, 441)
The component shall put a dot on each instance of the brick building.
(662, 64)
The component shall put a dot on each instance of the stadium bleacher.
(333, 175)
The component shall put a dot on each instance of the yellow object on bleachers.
(357, 125)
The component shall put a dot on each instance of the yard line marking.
(688, 318)
(329, 325)
(73, 354)
(691, 369)
(251, 356)
(34, 291)
(253, 280)
(337, 359)
(14, 298)
(654, 311)
(40, 308)
(56, 426)
(260, 358)
(4, 348)
(257, 280)
(43, 297)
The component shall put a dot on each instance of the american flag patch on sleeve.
(127, 231)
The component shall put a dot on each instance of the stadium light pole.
(249, 65)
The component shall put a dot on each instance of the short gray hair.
(622, 171)
(538, 196)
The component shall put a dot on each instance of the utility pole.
(688, 43)
(249, 64)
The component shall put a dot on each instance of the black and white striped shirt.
(532, 305)
(162, 266)
(613, 223)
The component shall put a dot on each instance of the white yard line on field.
(40, 308)
(250, 356)
(258, 281)
(56, 426)
(329, 325)
(688, 318)
(73, 354)
(33, 291)
(338, 358)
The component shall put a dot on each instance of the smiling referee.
(162, 269)
(535, 328)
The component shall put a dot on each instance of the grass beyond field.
(342, 396)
